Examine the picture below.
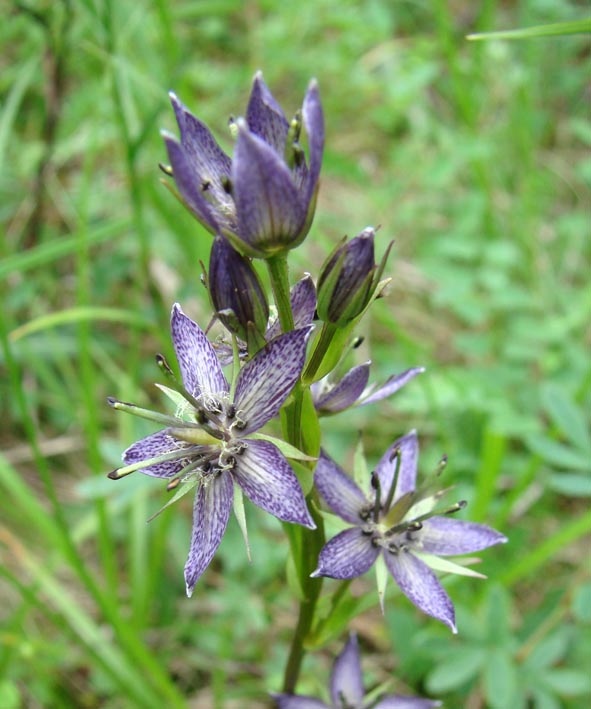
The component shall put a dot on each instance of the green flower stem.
(305, 543)
(278, 273)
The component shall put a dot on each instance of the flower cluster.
(286, 354)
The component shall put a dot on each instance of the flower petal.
(421, 586)
(346, 392)
(298, 701)
(346, 556)
(200, 367)
(189, 184)
(209, 162)
(268, 480)
(314, 124)
(303, 305)
(447, 536)
(152, 446)
(346, 680)
(211, 511)
(266, 381)
(407, 475)
(268, 207)
(265, 116)
(338, 490)
(390, 386)
(397, 701)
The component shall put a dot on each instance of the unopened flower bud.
(236, 291)
(349, 279)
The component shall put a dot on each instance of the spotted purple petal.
(154, 445)
(295, 701)
(269, 482)
(346, 680)
(265, 116)
(421, 586)
(211, 511)
(397, 701)
(447, 536)
(200, 367)
(209, 162)
(266, 381)
(190, 186)
(268, 207)
(346, 392)
(314, 124)
(346, 556)
(390, 386)
(407, 475)
(303, 305)
(339, 492)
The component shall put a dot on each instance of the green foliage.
(474, 157)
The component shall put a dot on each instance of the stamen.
(227, 185)
(396, 455)
(176, 454)
(376, 485)
(164, 419)
(166, 169)
(173, 484)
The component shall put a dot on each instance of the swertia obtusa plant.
(287, 361)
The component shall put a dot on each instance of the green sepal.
(360, 471)
(238, 505)
(177, 399)
(446, 566)
(181, 492)
(304, 475)
(286, 448)
(328, 348)
(381, 579)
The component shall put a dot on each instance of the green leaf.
(549, 650)
(463, 665)
(582, 604)
(567, 416)
(498, 614)
(570, 484)
(500, 680)
(558, 454)
(566, 682)
(552, 30)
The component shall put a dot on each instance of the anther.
(173, 484)
(166, 169)
(227, 185)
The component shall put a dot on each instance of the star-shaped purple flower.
(352, 389)
(346, 689)
(263, 199)
(398, 524)
(209, 440)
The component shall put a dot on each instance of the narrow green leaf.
(568, 416)
(555, 29)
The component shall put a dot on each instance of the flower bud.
(349, 279)
(236, 291)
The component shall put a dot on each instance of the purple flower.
(209, 442)
(263, 199)
(352, 389)
(399, 525)
(346, 689)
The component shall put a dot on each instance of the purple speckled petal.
(211, 511)
(421, 586)
(266, 381)
(265, 116)
(346, 392)
(268, 480)
(314, 124)
(447, 536)
(268, 207)
(209, 162)
(338, 490)
(397, 701)
(346, 556)
(200, 367)
(346, 680)
(407, 475)
(391, 386)
(298, 701)
(154, 445)
(189, 185)
(303, 305)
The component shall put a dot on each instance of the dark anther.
(227, 185)
(357, 342)
(240, 425)
(166, 169)
(205, 185)
(173, 484)
(395, 454)
(231, 411)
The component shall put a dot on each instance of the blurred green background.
(475, 158)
